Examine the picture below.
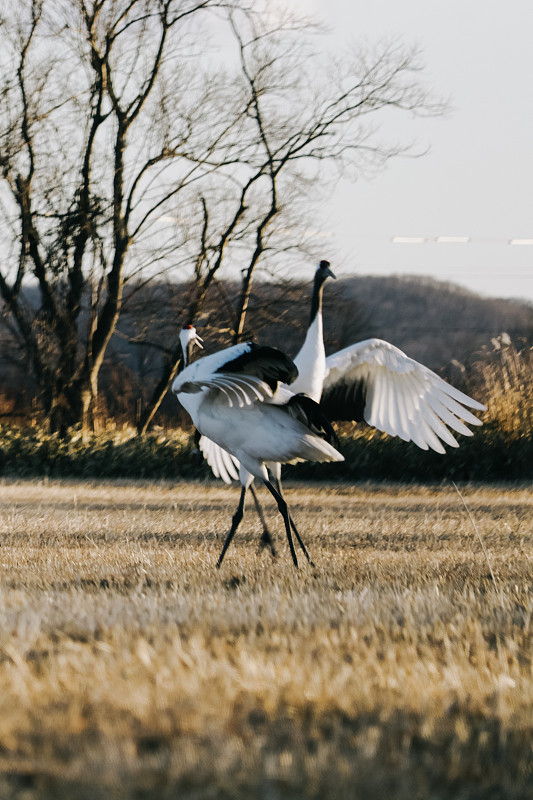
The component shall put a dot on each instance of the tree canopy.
(142, 139)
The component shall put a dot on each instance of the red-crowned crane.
(372, 381)
(239, 399)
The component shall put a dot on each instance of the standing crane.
(239, 398)
(371, 381)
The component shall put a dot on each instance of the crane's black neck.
(318, 287)
(186, 356)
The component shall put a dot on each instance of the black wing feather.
(345, 401)
(304, 409)
(267, 363)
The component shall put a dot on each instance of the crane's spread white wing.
(376, 382)
(222, 463)
(243, 375)
(239, 390)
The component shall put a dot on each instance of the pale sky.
(477, 180)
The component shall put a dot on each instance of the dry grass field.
(396, 668)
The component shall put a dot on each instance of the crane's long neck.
(316, 299)
(187, 343)
(311, 359)
(187, 355)
(185, 359)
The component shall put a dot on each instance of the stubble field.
(396, 667)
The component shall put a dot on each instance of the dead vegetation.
(396, 668)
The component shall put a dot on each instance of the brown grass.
(503, 380)
(130, 667)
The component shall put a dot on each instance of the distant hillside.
(432, 321)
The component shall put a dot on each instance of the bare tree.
(292, 130)
(88, 132)
(131, 149)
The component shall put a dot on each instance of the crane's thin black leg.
(234, 525)
(299, 539)
(277, 484)
(266, 537)
(284, 511)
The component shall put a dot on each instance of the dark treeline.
(445, 327)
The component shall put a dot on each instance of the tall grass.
(505, 380)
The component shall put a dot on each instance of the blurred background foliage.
(498, 373)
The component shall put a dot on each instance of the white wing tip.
(437, 447)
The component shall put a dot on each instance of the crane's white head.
(189, 338)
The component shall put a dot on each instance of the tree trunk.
(71, 404)
(158, 394)
(243, 307)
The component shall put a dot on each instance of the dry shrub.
(504, 378)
